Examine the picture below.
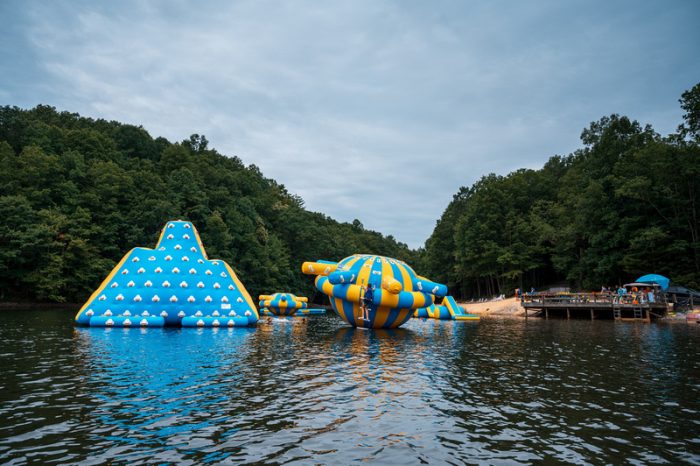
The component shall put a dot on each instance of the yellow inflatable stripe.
(242, 289)
(104, 283)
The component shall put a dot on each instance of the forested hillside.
(76, 194)
(623, 205)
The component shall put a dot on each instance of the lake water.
(501, 391)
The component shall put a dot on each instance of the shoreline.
(14, 306)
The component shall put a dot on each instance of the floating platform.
(174, 284)
(593, 306)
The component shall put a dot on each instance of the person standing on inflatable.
(367, 302)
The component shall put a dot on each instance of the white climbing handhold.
(176, 270)
(201, 261)
(115, 284)
(231, 287)
(109, 322)
(137, 298)
(141, 270)
(193, 249)
(186, 236)
(232, 313)
(155, 298)
(127, 312)
(419, 285)
(173, 299)
(170, 225)
(181, 314)
(162, 248)
(200, 323)
(215, 262)
(144, 323)
(89, 312)
(223, 274)
(183, 284)
(178, 247)
(166, 284)
(135, 259)
(185, 259)
(239, 300)
(145, 313)
(164, 314)
(102, 298)
(108, 312)
(148, 284)
(215, 323)
(435, 290)
(198, 314)
(190, 299)
(248, 313)
(208, 272)
(158, 270)
(187, 225)
(168, 257)
(231, 323)
(193, 271)
(152, 258)
(170, 236)
(125, 272)
(131, 284)
(126, 322)
(215, 314)
(200, 285)
(224, 299)
(217, 286)
(207, 299)
(120, 297)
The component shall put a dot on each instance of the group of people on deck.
(633, 296)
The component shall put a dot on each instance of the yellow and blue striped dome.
(283, 304)
(397, 289)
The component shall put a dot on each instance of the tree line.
(623, 205)
(77, 193)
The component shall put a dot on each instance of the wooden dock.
(594, 306)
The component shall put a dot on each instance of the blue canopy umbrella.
(660, 280)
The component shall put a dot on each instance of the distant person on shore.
(518, 293)
(650, 295)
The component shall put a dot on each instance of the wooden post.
(568, 314)
(592, 314)
(546, 313)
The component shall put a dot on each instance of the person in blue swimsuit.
(367, 301)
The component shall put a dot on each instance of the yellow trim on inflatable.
(241, 288)
(104, 283)
(318, 268)
(199, 241)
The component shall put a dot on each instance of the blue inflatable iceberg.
(174, 284)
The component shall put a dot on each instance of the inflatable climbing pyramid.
(172, 285)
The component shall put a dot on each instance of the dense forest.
(76, 194)
(623, 205)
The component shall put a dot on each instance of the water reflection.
(314, 390)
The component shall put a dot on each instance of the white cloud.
(376, 110)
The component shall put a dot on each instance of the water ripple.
(301, 391)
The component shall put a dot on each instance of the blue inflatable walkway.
(174, 284)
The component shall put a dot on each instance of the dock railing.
(604, 298)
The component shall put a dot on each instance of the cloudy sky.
(376, 110)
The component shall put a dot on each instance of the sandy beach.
(500, 307)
